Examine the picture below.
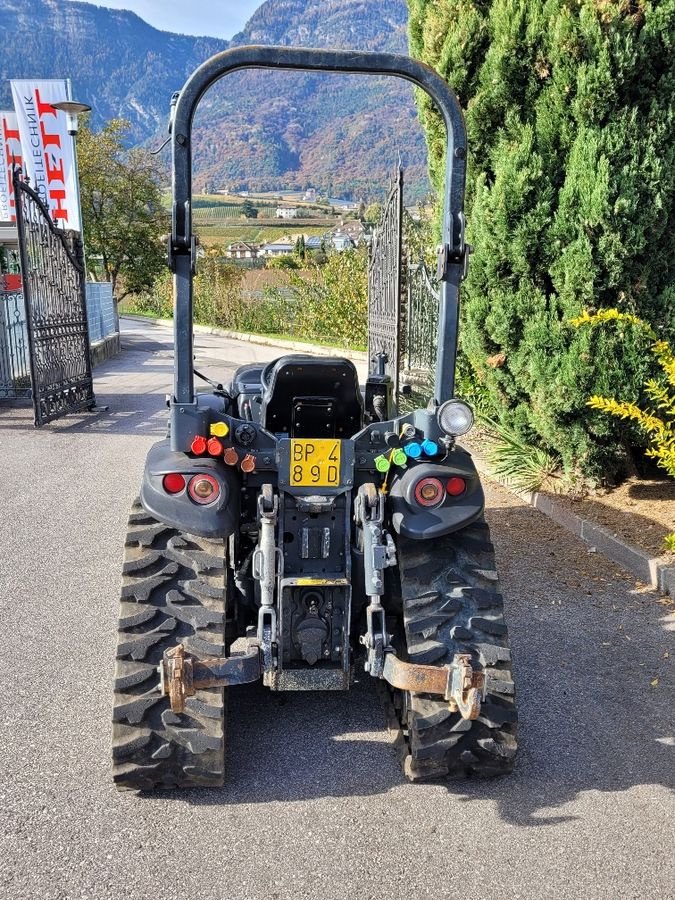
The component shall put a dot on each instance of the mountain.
(255, 129)
(118, 63)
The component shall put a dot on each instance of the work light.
(455, 417)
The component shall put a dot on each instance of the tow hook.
(457, 683)
(181, 676)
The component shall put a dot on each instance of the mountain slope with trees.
(255, 129)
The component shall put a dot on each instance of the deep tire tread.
(452, 604)
(173, 590)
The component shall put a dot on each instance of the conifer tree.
(570, 201)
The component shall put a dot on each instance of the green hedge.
(570, 200)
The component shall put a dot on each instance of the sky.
(215, 18)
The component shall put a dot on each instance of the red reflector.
(203, 488)
(429, 492)
(456, 486)
(198, 445)
(214, 447)
(173, 483)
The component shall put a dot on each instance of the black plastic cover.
(414, 521)
(179, 511)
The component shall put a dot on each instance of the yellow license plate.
(315, 463)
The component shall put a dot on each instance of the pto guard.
(210, 520)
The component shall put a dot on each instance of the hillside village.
(346, 236)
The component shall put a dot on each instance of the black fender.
(411, 520)
(212, 520)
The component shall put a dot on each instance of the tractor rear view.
(294, 527)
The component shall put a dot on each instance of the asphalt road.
(315, 805)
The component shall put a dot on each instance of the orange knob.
(230, 456)
(248, 463)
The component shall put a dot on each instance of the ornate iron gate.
(422, 306)
(54, 291)
(403, 295)
(384, 284)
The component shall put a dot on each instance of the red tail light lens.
(173, 483)
(455, 486)
(429, 492)
(203, 489)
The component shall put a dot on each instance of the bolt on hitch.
(181, 676)
(457, 683)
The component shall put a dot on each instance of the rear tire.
(452, 604)
(173, 591)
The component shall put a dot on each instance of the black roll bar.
(182, 251)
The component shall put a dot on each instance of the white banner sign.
(48, 154)
(10, 154)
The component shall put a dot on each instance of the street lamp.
(72, 109)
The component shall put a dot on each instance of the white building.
(277, 248)
(287, 212)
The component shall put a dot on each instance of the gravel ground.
(315, 805)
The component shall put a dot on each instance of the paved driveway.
(315, 806)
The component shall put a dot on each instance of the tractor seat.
(247, 379)
(311, 397)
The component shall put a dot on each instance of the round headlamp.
(455, 417)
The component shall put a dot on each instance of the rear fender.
(414, 521)
(218, 519)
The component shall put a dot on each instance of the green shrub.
(217, 294)
(570, 202)
(331, 302)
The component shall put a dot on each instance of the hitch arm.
(457, 683)
(181, 676)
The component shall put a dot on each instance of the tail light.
(455, 486)
(429, 492)
(173, 483)
(203, 489)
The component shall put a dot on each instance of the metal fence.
(14, 355)
(422, 319)
(422, 300)
(385, 280)
(101, 311)
(15, 382)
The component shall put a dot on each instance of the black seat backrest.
(312, 397)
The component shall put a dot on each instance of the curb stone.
(656, 571)
(318, 349)
(104, 349)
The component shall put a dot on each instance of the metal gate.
(52, 268)
(420, 321)
(384, 284)
(403, 295)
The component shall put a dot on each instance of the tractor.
(295, 528)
